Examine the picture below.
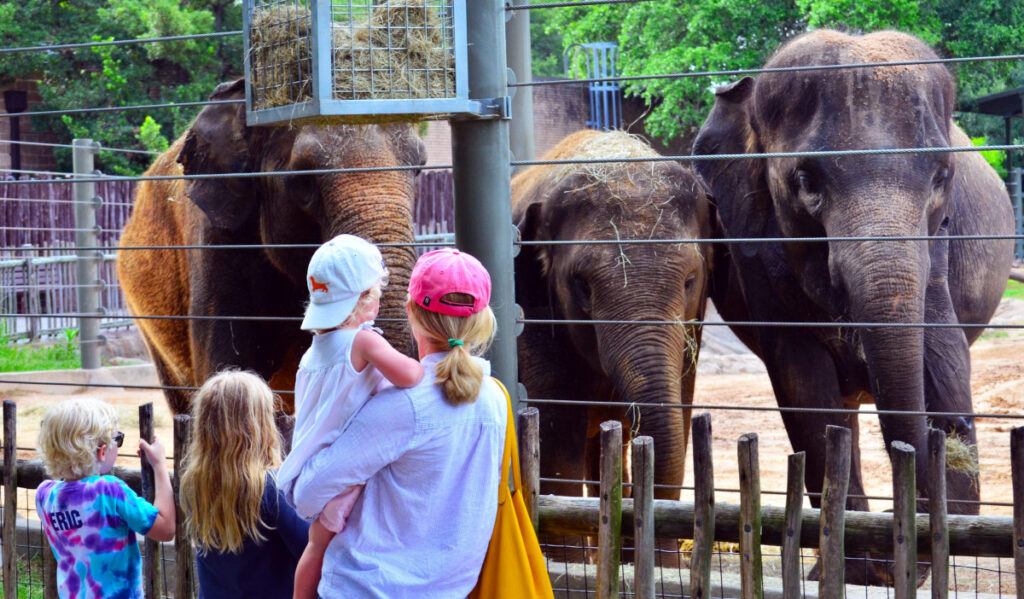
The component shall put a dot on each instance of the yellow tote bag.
(514, 566)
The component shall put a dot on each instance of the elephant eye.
(691, 280)
(806, 182)
(941, 176)
(581, 292)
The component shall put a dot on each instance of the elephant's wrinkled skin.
(294, 209)
(876, 281)
(631, 365)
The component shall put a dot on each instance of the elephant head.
(880, 199)
(635, 364)
(301, 207)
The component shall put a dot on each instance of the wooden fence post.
(642, 463)
(151, 566)
(703, 508)
(832, 530)
(904, 520)
(49, 571)
(937, 513)
(528, 429)
(791, 580)
(184, 586)
(751, 583)
(10, 555)
(610, 529)
(1017, 469)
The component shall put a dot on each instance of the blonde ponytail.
(458, 374)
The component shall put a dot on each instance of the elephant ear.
(531, 263)
(739, 186)
(218, 143)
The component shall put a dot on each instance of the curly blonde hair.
(458, 374)
(235, 443)
(71, 433)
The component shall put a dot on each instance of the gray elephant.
(899, 282)
(294, 209)
(631, 365)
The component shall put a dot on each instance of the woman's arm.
(398, 368)
(379, 433)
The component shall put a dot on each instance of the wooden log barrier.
(904, 500)
(832, 525)
(751, 580)
(1017, 468)
(151, 566)
(791, 579)
(703, 507)
(937, 513)
(10, 498)
(528, 430)
(184, 556)
(609, 533)
(642, 469)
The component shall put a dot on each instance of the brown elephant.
(271, 210)
(632, 365)
(926, 196)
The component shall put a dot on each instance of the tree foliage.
(122, 75)
(683, 36)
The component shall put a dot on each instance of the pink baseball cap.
(445, 271)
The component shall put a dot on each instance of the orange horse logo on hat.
(316, 285)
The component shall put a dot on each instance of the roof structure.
(1007, 104)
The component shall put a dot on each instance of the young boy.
(90, 517)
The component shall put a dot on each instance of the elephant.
(926, 279)
(265, 211)
(632, 365)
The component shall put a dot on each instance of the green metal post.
(87, 266)
(517, 47)
(482, 174)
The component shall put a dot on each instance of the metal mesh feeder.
(356, 61)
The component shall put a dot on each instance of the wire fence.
(37, 285)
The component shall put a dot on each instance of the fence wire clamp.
(488, 109)
(97, 203)
(99, 284)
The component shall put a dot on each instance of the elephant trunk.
(378, 208)
(885, 282)
(646, 366)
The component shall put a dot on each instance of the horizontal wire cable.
(22, 171)
(148, 40)
(62, 230)
(781, 324)
(514, 7)
(60, 201)
(645, 159)
(6, 115)
(100, 148)
(795, 410)
(733, 72)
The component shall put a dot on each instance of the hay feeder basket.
(358, 61)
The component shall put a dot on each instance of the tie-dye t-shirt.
(91, 525)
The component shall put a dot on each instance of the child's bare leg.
(307, 573)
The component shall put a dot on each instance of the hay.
(399, 52)
(961, 456)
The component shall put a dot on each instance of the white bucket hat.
(339, 272)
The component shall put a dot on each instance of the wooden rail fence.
(904, 534)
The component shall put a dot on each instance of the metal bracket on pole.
(487, 109)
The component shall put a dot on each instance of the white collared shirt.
(423, 523)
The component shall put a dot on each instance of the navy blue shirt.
(266, 569)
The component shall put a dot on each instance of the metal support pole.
(517, 47)
(482, 175)
(1017, 197)
(87, 267)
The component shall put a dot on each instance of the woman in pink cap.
(429, 455)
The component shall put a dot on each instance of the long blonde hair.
(459, 375)
(71, 433)
(235, 442)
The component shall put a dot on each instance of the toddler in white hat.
(337, 375)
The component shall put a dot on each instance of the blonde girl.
(248, 538)
(90, 517)
(429, 454)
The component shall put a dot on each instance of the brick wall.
(558, 110)
(32, 157)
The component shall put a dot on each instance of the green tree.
(123, 75)
(676, 36)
